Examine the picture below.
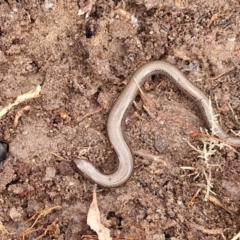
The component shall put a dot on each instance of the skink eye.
(4, 148)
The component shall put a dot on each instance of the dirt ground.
(83, 55)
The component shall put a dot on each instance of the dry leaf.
(26, 96)
(94, 221)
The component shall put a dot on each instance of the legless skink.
(117, 116)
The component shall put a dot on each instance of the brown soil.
(82, 65)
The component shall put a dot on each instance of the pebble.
(161, 145)
(50, 174)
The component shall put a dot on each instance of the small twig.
(29, 231)
(148, 111)
(37, 216)
(45, 212)
(142, 153)
(217, 202)
(90, 114)
(222, 74)
(208, 231)
(50, 228)
(19, 114)
(146, 101)
(61, 158)
(193, 198)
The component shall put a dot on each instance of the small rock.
(65, 169)
(50, 174)
(162, 145)
(7, 176)
(16, 214)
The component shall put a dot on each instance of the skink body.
(117, 115)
